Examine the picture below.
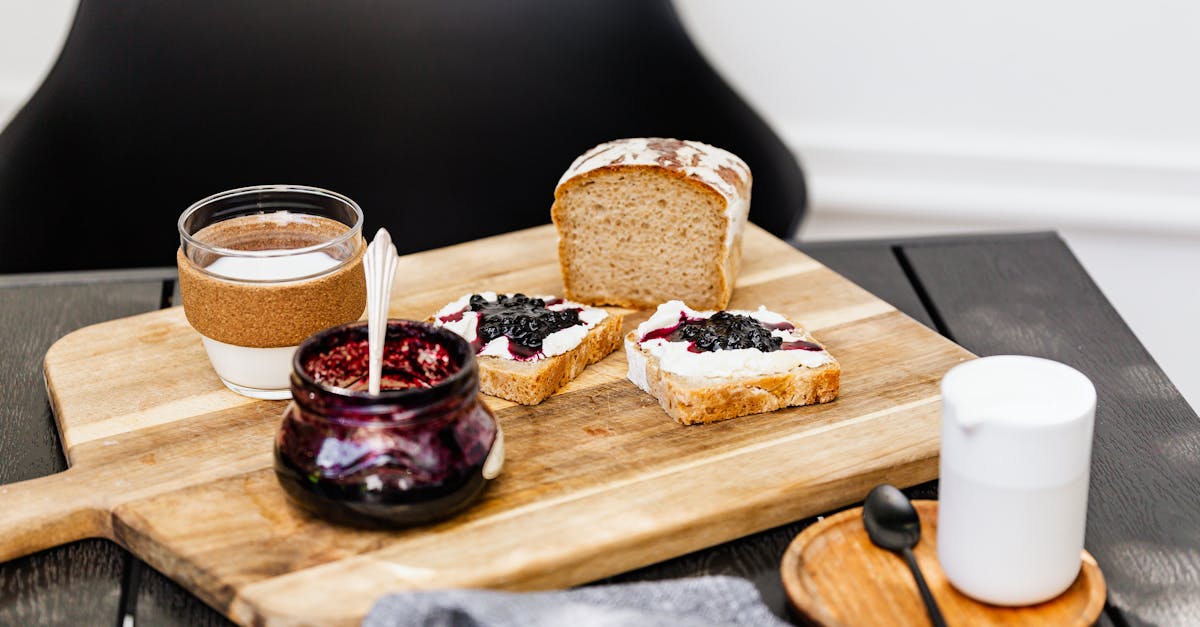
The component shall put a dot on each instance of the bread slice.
(646, 220)
(697, 399)
(530, 382)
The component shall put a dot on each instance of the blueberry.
(523, 320)
(726, 331)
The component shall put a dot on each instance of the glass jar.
(422, 449)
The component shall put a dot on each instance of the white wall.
(1065, 113)
(1069, 112)
(31, 34)
(936, 116)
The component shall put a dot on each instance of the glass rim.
(354, 230)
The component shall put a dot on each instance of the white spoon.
(379, 263)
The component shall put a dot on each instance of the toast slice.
(531, 382)
(692, 396)
(512, 372)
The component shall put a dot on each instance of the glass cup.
(260, 269)
(1015, 460)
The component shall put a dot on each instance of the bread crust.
(700, 400)
(531, 382)
(582, 178)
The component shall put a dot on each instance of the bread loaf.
(647, 220)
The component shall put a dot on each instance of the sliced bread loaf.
(646, 220)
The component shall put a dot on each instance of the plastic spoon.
(379, 264)
(892, 523)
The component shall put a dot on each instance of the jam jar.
(422, 449)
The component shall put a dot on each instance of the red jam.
(408, 362)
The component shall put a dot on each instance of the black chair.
(446, 121)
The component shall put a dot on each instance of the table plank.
(31, 319)
(79, 583)
(163, 603)
(1029, 295)
(876, 268)
(76, 584)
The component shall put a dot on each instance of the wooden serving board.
(598, 480)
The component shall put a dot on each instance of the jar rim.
(459, 347)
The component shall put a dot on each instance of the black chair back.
(446, 121)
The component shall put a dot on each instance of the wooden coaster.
(833, 575)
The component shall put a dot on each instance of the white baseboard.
(1051, 182)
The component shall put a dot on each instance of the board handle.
(49, 511)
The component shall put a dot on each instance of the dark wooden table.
(993, 294)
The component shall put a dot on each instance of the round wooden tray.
(833, 575)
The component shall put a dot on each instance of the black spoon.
(893, 524)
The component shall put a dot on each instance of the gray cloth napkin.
(699, 602)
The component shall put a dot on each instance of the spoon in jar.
(892, 523)
(379, 264)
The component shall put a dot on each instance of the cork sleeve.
(269, 316)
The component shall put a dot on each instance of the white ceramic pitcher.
(1015, 457)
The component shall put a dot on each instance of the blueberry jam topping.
(729, 331)
(525, 321)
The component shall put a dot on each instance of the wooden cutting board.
(168, 463)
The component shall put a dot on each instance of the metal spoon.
(379, 264)
(892, 523)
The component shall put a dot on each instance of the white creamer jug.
(1015, 457)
